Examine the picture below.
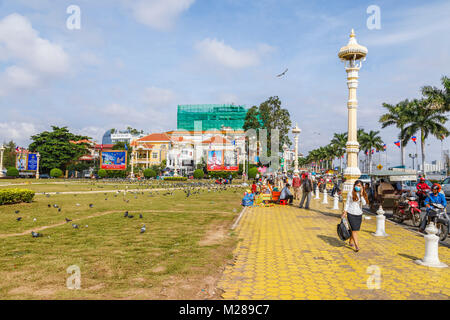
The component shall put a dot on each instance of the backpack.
(307, 187)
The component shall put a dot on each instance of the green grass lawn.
(180, 256)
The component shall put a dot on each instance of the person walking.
(307, 188)
(353, 211)
(296, 183)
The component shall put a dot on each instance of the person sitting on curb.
(286, 194)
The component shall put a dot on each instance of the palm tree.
(426, 120)
(397, 116)
(339, 141)
(372, 140)
(361, 137)
(438, 98)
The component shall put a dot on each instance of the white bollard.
(336, 201)
(431, 258)
(317, 193)
(325, 197)
(381, 222)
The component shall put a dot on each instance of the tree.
(372, 140)
(398, 116)
(339, 141)
(426, 120)
(438, 98)
(252, 119)
(9, 156)
(56, 148)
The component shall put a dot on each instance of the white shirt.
(354, 207)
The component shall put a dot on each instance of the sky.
(131, 62)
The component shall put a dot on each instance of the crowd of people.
(283, 189)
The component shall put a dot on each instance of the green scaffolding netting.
(212, 116)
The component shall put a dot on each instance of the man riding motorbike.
(434, 197)
(422, 191)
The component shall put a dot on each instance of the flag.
(397, 143)
(384, 147)
(17, 149)
(414, 138)
(126, 147)
(442, 137)
(101, 147)
(373, 150)
(367, 152)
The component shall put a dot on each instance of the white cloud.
(218, 52)
(17, 131)
(30, 57)
(159, 14)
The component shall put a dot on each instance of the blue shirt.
(440, 198)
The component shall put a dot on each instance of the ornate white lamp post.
(2, 150)
(38, 158)
(296, 132)
(132, 162)
(352, 55)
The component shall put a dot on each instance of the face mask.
(357, 189)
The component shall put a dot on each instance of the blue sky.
(133, 61)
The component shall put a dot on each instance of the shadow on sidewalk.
(332, 241)
(407, 256)
(328, 214)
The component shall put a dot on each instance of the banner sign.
(32, 162)
(21, 161)
(113, 160)
(230, 162)
(215, 160)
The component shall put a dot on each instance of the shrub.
(10, 196)
(12, 172)
(102, 173)
(56, 173)
(175, 178)
(199, 174)
(252, 173)
(149, 173)
(222, 174)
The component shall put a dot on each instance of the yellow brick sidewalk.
(291, 253)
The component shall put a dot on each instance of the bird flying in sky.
(282, 74)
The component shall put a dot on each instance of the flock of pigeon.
(189, 190)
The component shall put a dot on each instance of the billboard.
(32, 162)
(223, 160)
(215, 160)
(21, 161)
(113, 160)
(230, 160)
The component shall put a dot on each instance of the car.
(446, 187)
(44, 176)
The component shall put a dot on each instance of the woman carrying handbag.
(353, 211)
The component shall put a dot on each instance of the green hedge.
(102, 173)
(149, 173)
(175, 178)
(12, 172)
(10, 196)
(199, 174)
(56, 173)
(222, 174)
(252, 173)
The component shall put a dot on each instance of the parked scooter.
(407, 209)
(438, 215)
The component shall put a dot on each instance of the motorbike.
(407, 208)
(421, 196)
(438, 215)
